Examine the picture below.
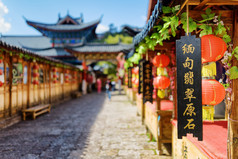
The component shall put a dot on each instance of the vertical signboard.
(140, 87)
(130, 77)
(189, 95)
(147, 82)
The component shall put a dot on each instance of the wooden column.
(233, 122)
(10, 85)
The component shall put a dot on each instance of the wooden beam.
(226, 15)
(201, 5)
(233, 121)
(183, 5)
(214, 2)
(166, 46)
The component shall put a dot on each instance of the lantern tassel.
(208, 113)
(209, 70)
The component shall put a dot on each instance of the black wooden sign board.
(189, 95)
(140, 87)
(130, 77)
(147, 82)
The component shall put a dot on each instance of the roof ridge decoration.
(63, 27)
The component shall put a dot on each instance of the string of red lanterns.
(1, 73)
(212, 49)
(54, 75)
(35, 74)
(161, 82)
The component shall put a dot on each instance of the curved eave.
(38, 26)
(75, 53)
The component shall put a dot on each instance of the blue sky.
(118, 12)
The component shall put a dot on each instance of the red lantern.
(0, 72)
(35, 74)
(136, 70)
(54, 76)
(161, 60)
(55, 81)
(213, 48)
(35, 67)
(212, 92)
(161, 82)
(133, 80)
(54, 69)
(1, 84)
(0, 60)
(137, 82)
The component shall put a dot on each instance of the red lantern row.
(54, 75)
(1, 73)
(66, 78)
(35, 74)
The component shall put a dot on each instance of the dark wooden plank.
(201, 5)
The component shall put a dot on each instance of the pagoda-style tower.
(68, 31)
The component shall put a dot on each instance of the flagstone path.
(91, 127)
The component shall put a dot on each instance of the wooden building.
(27, 80)
(220, 136)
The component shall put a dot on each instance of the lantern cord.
(147, 56)
(233, 120)
(187, 19)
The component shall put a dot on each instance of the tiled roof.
(153, 18)
(37, 42)
(40, 45)
(64, 27)
(97, 47)
(132, 31)
(11, 48)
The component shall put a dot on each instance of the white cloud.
(144, 18)
(101, 28)
(4, 26)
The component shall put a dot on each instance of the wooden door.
(16, 86)
(5, 107)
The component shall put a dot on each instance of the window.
(25, 77)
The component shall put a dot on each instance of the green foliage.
(110, 39)
(135, 58)
(192, 24)
(142, 48)
(108, 67)
(166, 9)
(235, 53)
(233, 72)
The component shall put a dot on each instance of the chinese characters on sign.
(140, 87)
(189, 97)
(147, 82)
(130, 77)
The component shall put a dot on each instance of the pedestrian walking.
(108, 89)
(113, 83)
(99, 85)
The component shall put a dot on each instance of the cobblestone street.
(91, 127)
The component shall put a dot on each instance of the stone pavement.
(118, 133)
(91, 127)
